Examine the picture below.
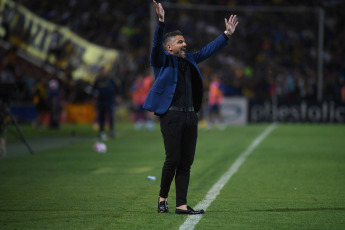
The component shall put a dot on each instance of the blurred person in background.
(138, 98)
(7, 81)
(176, 98)
(7, 74)
(148, 81)
(54, 103)
(215, 99)
(140, 89)
(105, 91)
(40, 101)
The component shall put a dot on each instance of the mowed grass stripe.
(294, 180)
(217, 187)
(75, 179)
(72, 187)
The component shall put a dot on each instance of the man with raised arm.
(176, 98)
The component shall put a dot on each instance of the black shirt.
(183, 94)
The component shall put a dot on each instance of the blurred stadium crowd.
(271, 54)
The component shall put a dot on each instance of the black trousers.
(180, 132)
(103, 112)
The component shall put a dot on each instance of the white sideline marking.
(192, 220)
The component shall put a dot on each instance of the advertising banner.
(234, 110)
(81, 113)
(297, 112)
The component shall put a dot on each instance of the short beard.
(178, 54)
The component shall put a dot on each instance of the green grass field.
(294, 179)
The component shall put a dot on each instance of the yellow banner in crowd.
(35, 35)
(80, 113)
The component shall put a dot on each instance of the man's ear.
(168, 48)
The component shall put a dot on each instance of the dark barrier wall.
(314, 112)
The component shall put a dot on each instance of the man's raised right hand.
(159, 10)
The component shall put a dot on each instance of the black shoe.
(162, 206)
(189, 211)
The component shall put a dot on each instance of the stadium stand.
(271, 53)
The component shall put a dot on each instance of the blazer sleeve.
(157, 57)
(210, 49)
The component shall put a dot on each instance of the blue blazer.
(165, 69)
